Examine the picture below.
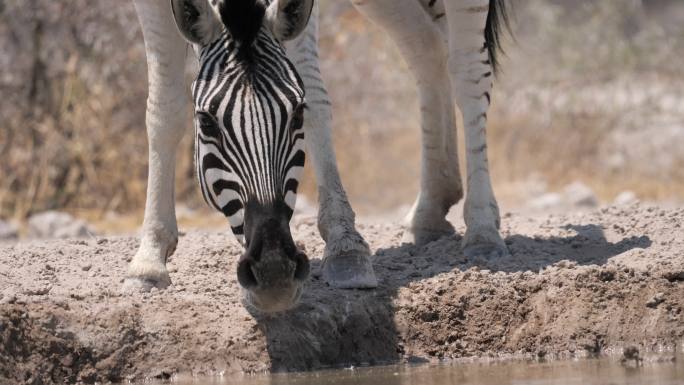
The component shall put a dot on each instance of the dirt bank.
(580, 284)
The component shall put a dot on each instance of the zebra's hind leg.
(166, 106)
(346, 262)
(423, 47)
(471, 78)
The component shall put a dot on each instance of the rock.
(546, 201)
(53, 224)
(112, 216)
(67, 361)
(184, 212)
(535, 185)
(580, 195)
(607, 275)
(625, 198)
(42, 290)
(674, 276)
(8, 297)
(8, 230)
(304, 207)
(573, 195)
(656, 300)
(630, 354)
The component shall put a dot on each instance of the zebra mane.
(243, 19)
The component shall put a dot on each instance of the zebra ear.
(288, 18)
(195, 20)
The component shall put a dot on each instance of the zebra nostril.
(245, 275)
(302, 269)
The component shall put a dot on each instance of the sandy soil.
(574, 285)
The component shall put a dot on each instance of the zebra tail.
(497, 24)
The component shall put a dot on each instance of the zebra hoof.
(484, 242)
(349, 271)
(144, 285)
(421, 237)
(487, 251)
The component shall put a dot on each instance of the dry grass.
(520, 149)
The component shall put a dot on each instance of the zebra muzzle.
(272, 272)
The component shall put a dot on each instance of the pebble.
(625, 198)
(54, 224)
(8, 230)
(656, 300)
(8, 298)
(67, 361)
(580, 195)
(546, 201)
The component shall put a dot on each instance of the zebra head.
(249, 140)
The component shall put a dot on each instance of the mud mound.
(573, 285)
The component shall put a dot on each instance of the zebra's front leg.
(165, 120)
(346, 263)
(471, 77)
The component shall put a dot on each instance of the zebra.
(259, 101)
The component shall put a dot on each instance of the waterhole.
(664, 371)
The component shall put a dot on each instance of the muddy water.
(584, 372)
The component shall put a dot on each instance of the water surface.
(582, 372)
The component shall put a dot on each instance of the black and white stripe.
(249, 144)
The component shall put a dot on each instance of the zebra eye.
(204, 119)
(207, 124)
(297, 118)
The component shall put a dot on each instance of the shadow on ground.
(333, 328)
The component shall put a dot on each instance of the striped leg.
(471, 79)
(165, 121)
(422, 46)
(347, 255)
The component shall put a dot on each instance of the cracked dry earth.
(580, 284)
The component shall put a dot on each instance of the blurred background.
(589, 109)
